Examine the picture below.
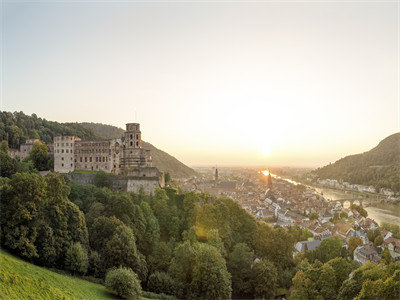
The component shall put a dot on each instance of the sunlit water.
(380, 215)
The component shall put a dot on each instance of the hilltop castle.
(123, 157)
(118, 156)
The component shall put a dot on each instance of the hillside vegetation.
(162, 160)
(17, 127)
(379, 167)
(22, 280)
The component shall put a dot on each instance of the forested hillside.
(17, 127)
(162, 160)
(379, 167)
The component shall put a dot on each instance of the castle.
(118, 156)
(123, 157)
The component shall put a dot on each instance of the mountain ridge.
(379, 167)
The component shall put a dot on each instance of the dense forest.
(177, 245)
(379, 167)
(162, 160)
(16, 128)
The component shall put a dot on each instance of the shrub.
(124, 282)
(76, 259)
(160, 282)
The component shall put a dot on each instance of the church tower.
(216, 176)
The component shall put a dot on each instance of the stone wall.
(121, 183)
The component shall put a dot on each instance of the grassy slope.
(162, 160)
(22, 280)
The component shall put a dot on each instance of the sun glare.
(266, 173)
(265, 151)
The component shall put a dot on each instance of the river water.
(389, 213)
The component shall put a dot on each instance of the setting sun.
(265, 151)
(266, 172)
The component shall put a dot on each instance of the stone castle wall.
(122, 183)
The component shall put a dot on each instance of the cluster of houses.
(284, 204)
(355, 187)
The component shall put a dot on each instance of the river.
(388, 213)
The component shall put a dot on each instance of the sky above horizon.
(212, 83)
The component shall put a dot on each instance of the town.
(283, 203)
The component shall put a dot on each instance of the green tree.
(161, 257)
(353, 243)
(160, 282)
(21, 199)
(265, 278)
(327, 282)
(240, 266)
(211, 279)
(378, 241)
(386, 256)
(39, 156)
(121, 251)
(76, 259)
(124, 282)
(9, 166)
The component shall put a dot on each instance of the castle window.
(62, 158)
(71, 158)
(115, 166)
(97, 166)
(80, 159)
(75, 160)
(71, 150)
(85, 160)
(71, 165)
(97, 159)
(66, 150)
(62, 165)
(137, 136)
(131, 143)
(90, 159)
(131, 136)
(137, 144)
(62, 150)
(66, 144)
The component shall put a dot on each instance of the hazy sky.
(213, 82)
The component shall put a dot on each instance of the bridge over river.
(360, 201)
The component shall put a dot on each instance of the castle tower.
(133, 136)
(133, 155)
(269, 180)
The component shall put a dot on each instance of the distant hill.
(162, 160)
(22, 280)
(379, 167)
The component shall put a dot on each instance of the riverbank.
(379, 212)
